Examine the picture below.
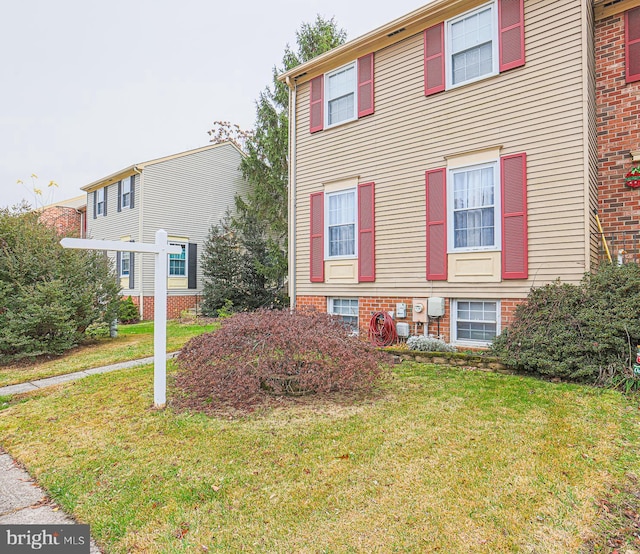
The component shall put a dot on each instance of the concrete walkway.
(41, 383)
(22, 501)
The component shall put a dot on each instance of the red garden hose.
(382, 329)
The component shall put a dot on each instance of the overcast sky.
(92, 87)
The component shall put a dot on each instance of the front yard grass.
(441, 460)
(133, 342)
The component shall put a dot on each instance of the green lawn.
(440, 460)
(133, 342)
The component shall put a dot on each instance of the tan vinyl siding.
(537, 109)
(592, 130)
(185, 196)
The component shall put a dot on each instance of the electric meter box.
(419, 310)
(435, 307)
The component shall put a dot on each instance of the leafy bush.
(429, 344)
(128, 311)
(268, 352)
(585, 332)
(48, 295)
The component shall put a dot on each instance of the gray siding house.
(184, 194)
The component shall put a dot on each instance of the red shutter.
(515, 264)
(511, 27)
(436, 225)
(366, 233)
(434, 59)
(365, 85)
(316, 106)
(632, 44)
(316, 246)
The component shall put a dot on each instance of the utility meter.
(420, 310)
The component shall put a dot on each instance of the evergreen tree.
(49, 295)
(261, 217)
(222, 268)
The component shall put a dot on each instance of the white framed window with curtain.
(475, 322)
(341, 95)
(340, 224)
(473, 206)
(472, 46)
(347, 309)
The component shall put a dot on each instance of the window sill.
(327, 126)
(471, 81)
(472, 250)
(472, 344)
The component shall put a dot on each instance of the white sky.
(91, 87)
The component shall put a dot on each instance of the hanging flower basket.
(632, 179)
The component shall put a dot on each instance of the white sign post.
(161, 249)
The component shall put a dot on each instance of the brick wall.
(175, 305)
(618, 110)
(369, 305)
(66, 221)
(318, 303)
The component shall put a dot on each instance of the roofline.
(395, 31)
(138, 167)
(606, 8)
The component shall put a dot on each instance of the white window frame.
(494, 45)
(186, 261)
(332, 310)
(327, 196)
(327, 99)
(497, 211)
(454, 322)
(101, 193)
(125, 193)
(121, 268)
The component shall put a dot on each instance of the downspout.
(292, 192)
(140, 238)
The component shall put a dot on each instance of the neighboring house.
(451, 153)
(68, 217)
(618, 95)
(184, 194)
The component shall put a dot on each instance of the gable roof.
(138, 167)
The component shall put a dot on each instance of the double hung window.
(472, 42)
(341, 223)
(100, 201)
(178, 262)
(341, 95)
(125, 264)
(473, 202)
(125, 199)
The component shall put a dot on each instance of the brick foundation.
(175, 305)
(618, 112)
(367, 306)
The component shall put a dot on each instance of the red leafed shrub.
(258, 354)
